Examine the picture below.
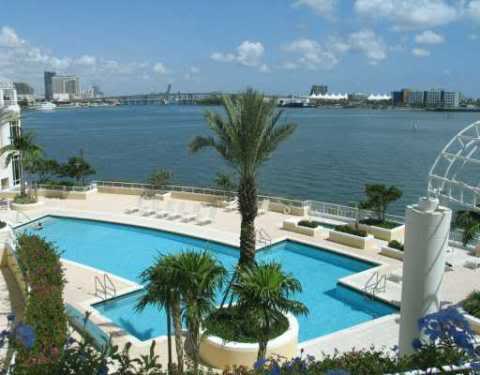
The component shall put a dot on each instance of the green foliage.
(235, 324)
(309, 223)
(348, 229)
(40, 264)
(24, 199)
(379, 197)
(394, 244)
(245, 138)
(263, 293)
(46, 168)
(225, 182)
(381, 224)
(159, 178)
(2, 224)
(469, 222)
(472, 304)
(210, 100)
(77, 168)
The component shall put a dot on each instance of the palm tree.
(199, 277)
(29, 153)
(469, 222)
(245, 138)
(264, 292)
(162, 289)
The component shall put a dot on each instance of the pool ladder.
(264, 237)
(376, 283)
(104, 288)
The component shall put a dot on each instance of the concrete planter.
(397, 233)
(365, 243)
(221, 354)
(292, 226)
(65, 194)
(391, 252)
(473, 321)
(26, 207)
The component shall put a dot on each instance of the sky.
(276, 46)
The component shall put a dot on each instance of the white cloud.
(191, 73)
(321, 7)
(367, 42)
(411, 14)
(247, 53)
(473, 37)
(160, 68)
(87, 60)
(420, 52)
(312, 55)
(473, 9)
(9, 38)
(429, 37)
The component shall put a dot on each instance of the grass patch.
(232, 324)
(472, 304)
(381, 224)
(348, 229)
(24, 199)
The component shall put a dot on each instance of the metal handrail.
(65, 187)
(376, 282)
(264, 237)
(99, 286)
(111, 286)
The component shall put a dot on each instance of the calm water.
(127, 251)
(330, 157)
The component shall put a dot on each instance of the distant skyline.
(277, 46)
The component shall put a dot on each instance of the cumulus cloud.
(473, 9)
(429, 37)
(191, 73)
(9, 38)
(313, 56)
(321, 7)
(87, 60)
(160, 68)
(247, 54)
(420, 52)
(368, 43)
(411, 14)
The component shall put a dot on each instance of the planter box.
(221, 354)
(65, 194)
(292, 226)
(365, 243)
(25, 207)
(397, 233)
(391, 252)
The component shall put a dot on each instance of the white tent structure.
(378, 98)
(329, 97)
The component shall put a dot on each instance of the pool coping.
(122, 219)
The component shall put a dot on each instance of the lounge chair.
(133, 210)
(190, 216)
(206, 218)
(165, 211)
(4, 204)
(149, 211)
(264, 207)
(175, 214)
(231, 205)
(472, 264)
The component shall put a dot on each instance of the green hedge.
(394, 244)
(40, 263)
(472, 304)
(381, 224)
(348, 229)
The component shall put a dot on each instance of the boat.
(45, 106)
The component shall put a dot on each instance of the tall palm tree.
(246, 137)
(264, 292)
(469, 222)
(28, 152)
(199, 277)
(162, 289)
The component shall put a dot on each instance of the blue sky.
(278, 46)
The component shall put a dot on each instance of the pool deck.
(383, 332)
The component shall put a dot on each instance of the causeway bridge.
(160, 98)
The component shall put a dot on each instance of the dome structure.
(455, 174)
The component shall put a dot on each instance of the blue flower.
(25, 334)
(417, 344)
(260, 363)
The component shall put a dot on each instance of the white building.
(451, 99)
(9, 129)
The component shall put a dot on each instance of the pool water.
(128, 250)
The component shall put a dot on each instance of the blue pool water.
(127, 250)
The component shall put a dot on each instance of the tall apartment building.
(61, 87)
(318, 90)
(9, 130)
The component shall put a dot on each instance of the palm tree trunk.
(22, 175)
(194, 335)
(247, 200)
(262, 349)
(175, 307)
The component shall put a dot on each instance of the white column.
(426, 240)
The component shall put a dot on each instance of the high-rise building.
(24, 92)
(451, 99)
(61, 87)
(416, 98)
(9, 130)
(318, 90)
(433, 98)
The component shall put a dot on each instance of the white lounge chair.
(163, 212)
(149, 210)
(231, 205)
(133, 210)
(175, 214)
(190, 216)
(472, 264)
(207, 218)
(264, 207)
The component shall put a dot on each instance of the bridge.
(155, 98)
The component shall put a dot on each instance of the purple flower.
(25, 334)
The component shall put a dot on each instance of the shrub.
(379, 198)
(44, 312)
(396, 245)
(309, 223)
(2, 224)
(381, 224)
(472, 304)
(24, 199)
(348, 229)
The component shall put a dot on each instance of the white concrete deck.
(80, 290)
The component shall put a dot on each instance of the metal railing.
(65, 187)
(376, 283)
(264, 237)
(104, 287)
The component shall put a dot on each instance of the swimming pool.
(126, 251)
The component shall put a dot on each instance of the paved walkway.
(80, 289)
